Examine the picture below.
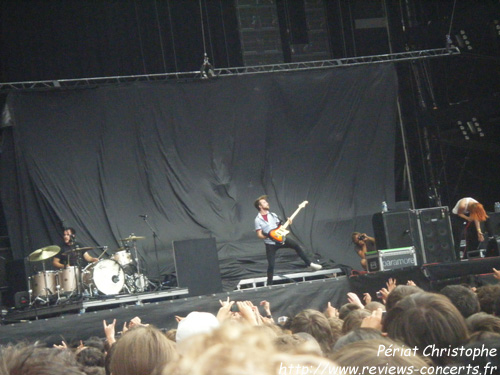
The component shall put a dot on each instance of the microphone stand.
(155, 236)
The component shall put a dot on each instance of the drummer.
(70, 255)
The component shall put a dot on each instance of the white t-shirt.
(467, 202)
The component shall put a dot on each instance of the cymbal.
(133, 238)
(44, 253)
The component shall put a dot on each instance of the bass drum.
(106, 275)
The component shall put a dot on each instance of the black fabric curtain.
(69, 39)
(193, 156)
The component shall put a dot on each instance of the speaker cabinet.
(197, 266)
(493, 247)
(432, 235)
(493, 224)
(392, 229)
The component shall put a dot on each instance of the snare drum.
(106, 275)
(123, 257)
(44, 283)
(68, 279)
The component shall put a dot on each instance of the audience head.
(398, 293)
(483, 322)
(316, 324)
(357, 334)
(33, 360)
(238, 348)
(95, 342)
(93, 370)
(171, 333)
(354, 319)
(298, 343)
(347, 308)
(234, 347)
(483, 335)
(464, 299)
(488, 295)
(424, 319)
(90, 356)
(336, 327)
(371, 353)
(487, 360)
(142, 350)
(374, 305)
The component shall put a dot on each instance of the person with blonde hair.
(142, 350)
(241, 348)
(474, 214)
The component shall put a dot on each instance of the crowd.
(409, 331)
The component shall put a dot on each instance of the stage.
(296, 292)
(74, 324)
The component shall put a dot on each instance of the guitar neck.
(301, 206)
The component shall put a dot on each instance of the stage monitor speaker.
(432, 235)
(21, 300)
(392, 229)
(493, 223)
(197, 266)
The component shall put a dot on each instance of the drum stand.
(155, 240)
(140, 277)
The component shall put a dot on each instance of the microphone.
(144, 216)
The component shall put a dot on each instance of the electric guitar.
(279, 234)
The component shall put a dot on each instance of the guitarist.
(264, 223)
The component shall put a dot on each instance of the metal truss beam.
(224, 72)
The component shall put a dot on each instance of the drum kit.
(120, 273)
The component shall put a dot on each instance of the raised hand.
(391, 284)
(331, 312)
(109, 331)
(224, 312)
(353, 298)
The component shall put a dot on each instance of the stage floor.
(286, 299)
(85, 319)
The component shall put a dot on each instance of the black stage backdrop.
(193, 156)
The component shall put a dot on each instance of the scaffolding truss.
(225, 72)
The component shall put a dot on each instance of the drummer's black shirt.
(68, 255)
